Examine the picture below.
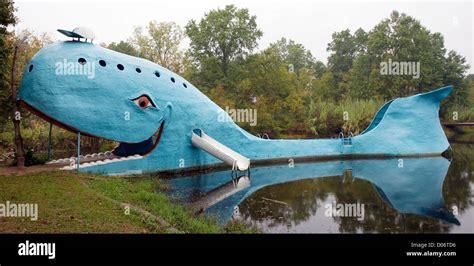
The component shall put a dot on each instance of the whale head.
(98, 92)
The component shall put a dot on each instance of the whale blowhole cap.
(79, 32)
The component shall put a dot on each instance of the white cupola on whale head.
(79, 33)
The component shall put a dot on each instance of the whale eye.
(144, 102)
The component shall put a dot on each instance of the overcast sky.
(308, 22)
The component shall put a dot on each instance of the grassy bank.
(70, 202)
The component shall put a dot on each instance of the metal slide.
(218, 150)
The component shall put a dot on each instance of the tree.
(280, 96)
(16, 115)
(7, 18)
(454, 70)
(325, 87)
(123, 47)
(402, 38)
(224, 34)
(26, 44)
(30, 44)
(160, 44)
(295, 54)
(355, 61)
(345, 47)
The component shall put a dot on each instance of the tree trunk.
(20, 157)
(225, 64)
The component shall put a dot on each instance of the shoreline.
(71, 202)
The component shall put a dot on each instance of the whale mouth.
(122, 152)
(143, 148)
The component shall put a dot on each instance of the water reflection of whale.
(411, 186)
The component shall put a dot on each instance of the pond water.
(419, 195)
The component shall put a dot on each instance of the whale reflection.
(408, 185)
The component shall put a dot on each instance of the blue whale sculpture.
(154, 114)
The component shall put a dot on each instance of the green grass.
(464, 114)
(64, 206)
(70, 202)
(147, 193)
(329, 118)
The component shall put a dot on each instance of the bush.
(32, 159)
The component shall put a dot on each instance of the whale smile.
(124, 151)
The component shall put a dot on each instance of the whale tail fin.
(411, 124)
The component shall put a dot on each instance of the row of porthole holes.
(121, 67)
(102, 63)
